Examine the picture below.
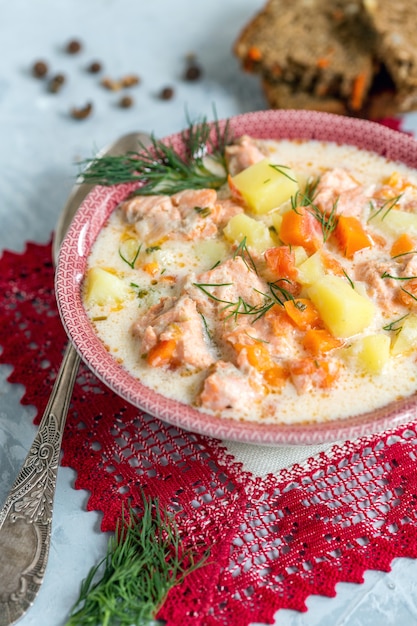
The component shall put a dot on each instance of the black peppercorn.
(73, 46)
(193, 72)
(126, 102)
(39, 69)
(94, 67)
(167, 93)
(56, 83)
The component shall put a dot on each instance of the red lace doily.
(275, 540)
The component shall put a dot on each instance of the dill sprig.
(161, 169)
(395, 325)
(243, 251)
(385, 208)
(328, 222)
(145, 559)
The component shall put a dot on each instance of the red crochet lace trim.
(274, 541)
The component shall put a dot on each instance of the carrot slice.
(161, 353)
(303, 313)
(402, 245)
(257, 354)
(351, 236)
(358, 91)
(276, 375)
(281, 261)
(300, 228)
(319, 340)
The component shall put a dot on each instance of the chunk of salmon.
(176, 320)
(242, 154)
(191, 214)
(230, 290)
(308, 374)
(337, 190)
(154, 217)
(379, 285)
(226, 387)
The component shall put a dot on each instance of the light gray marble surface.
(39, 146)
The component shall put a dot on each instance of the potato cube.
(396, 222)
(103, 287)
(265, 186)
(257, 233)
(343, 310)
(372, 352)
(311, 269)
(406, 339)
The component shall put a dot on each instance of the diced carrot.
(161, 353)
(151, 268)
(303, 313)
(323, 62)
(276, 375)
(358, 91)
(310, 373)
(351, 236)
(281, 261)
(258, 356)
(300, 228)
(254, 53)
(402, 245)
(319, 340)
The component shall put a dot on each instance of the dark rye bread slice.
(395, 26)
(320, 48)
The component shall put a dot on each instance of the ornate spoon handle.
(26, 517)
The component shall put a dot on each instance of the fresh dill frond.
(387, 275)
(243, 251)
(132, 261)
(385, 208)
(162, 169)
(395, 325)
(328, 222)
(281, 169)
(145, 559)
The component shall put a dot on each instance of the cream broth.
(187, 310)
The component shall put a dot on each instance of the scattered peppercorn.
(56, 83)
(94, 67)
(39, 69)
(126, 102)
(193, 72)
(167, 93)
(83, 112)
(74, 46)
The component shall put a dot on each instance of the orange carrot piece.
(358, 91)
(254, 53)
(281, 261)
(331, 264)
(161, 353)
(276, 375)
(402, 245)
(303, 313)
(318, 341)
(258, 356)
(300, 228)
(151, 268)
(351, 235)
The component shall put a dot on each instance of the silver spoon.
(26, 517)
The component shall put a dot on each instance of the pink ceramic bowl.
(102, 200)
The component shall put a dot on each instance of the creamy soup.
(287, 295)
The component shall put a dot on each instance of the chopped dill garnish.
(132, 262)
(328, 222)
(204, 211)
(281, 169)
(385, 208)
(386, 275)
(245, 255)
(152, 249)
(348, 278)
(162, 169)
(145, 558)
(397, 256)
(393, 326)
